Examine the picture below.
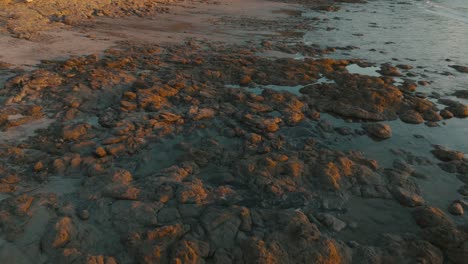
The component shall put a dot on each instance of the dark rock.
(456, 208)
(407, 198)
(459, 68)
(412, 117)
(444, 154)
(331, 222)
(446, 114)
(378, 130)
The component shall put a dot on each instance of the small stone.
(456, 208)
(245, 80)
(423, 83)
(100, 152)
(353, 244)
(38, 166)
(83, 214)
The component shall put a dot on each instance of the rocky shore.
(212, 150)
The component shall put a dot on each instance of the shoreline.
(212, 134)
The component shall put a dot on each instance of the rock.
(204, 113)
(168, 215)
(459, 110)
(75, 131)
(245, 80)
(345, 131)
(331, 222)
(122, 176)
(458, 254)
(222, 226)
(60, 234)
(446, 114)
(405, 66)
(444, 154)
(456, 108)
(412, 117)
(83, 214)
(100, 152)
(456, 208)
(459, 68)
(431, 124)
(423, 83)
(461, 94)
(378, 130)
(409, 86)
(431, 116)
(38, 166)
(389, 70)
(463, 190)
(431, 217)
(406, 197)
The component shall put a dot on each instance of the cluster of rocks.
(174, 167)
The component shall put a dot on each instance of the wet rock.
(459, 68)
(245, 80)
(412, 117)
(439, 229)
(59, 234)
(431, 124)
(389, 70)
(456, 108)
(432, 116)
(461, 94)
(38, 166)
(456, 208)
(204, 113)
(168, 215)
(191, 251)
(75, 131)
(331, 222)
(100, 152)
(405, 67)
(407, 198)
(446, 114)
(380, 131)
(444, 154)
(121, 192)
(83, 214)
(463, 190)
(345, 131)
(222, 226)
(409, 86)
(459, 110)
(423, 83)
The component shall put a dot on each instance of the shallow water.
(429, 35)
